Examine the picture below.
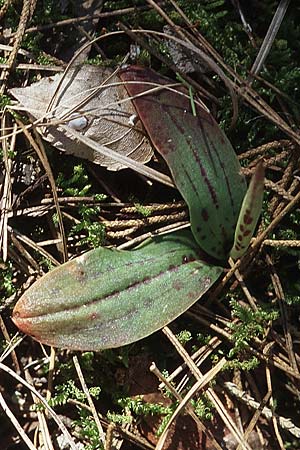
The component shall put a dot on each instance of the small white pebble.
(132, 120)
(78, 122)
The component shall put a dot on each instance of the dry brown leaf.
(106, 118)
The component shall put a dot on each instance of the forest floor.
(225, 374)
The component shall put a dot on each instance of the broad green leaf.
(201, 159)
(249, 214)
(107, 298)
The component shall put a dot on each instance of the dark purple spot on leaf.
(177, 285)
(204, 214)
(247, 219)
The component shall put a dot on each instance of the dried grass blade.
(269, 38)
(130, 163)
(53, 414)
(16, 424)
(228, 422)
(189, 409)
(39, 148)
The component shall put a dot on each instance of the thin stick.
(128, 162)
(189, 408)
(16, 424)
(210, 392)
(284, 422)
(89, 399)
(269, 38)
(43, 401)
(200, 384)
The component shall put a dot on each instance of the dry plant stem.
(11, 346)
(210, 392)
(281, 243)
(104, 184)
(163, 230)
(90, 38)
(39, 148)
(243, 286)
(258, 241)
(15, 423)
(288, 177)
(276, 206)
(189, 409)
(6, 196)
(34, 246)
(113, 225)
(204, 56)
(89, 399)
(274, 361)
(37, 67)
(7, 339)
(199, 356)
(278, 190)
(200, 384)
(285, 320)
(274, 418)
(75, 20)
(50, 373)
(284, 422)
(109, 436)
(269, 38)
(143, 43)
(255, 417)
(25, 14)
(43, 427)
(259, 151)
(140, 168)
(4, 8)
(134, 438)
(239, 85)
(24, 253)
(43, 401)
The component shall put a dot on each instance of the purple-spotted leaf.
(201, 159)
(107, 298)
(249, 214)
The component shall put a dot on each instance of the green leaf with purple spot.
(249, 214)
(108, 298)
(201, 159)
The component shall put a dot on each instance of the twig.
(269, 38)
(89, 399)
(16, 424)
(229, 423)
(27, 10)
(284, 422)
(189, 409)
(43, 401)
(200, 384)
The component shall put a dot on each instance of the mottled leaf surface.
(201, 159)
(108, 298)
(249, 214)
